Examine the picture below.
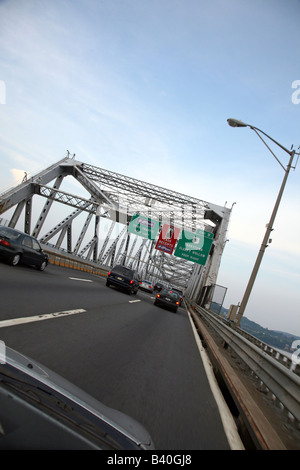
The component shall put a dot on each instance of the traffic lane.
(150, 297)
(134, 357)
(25, 291)
(173, 388)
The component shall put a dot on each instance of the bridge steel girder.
(117, 197)
(26, 189)
(47, 206)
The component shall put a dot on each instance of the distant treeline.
(276, 339)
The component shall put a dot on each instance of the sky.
(144, 88)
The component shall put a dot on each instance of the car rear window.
(8, 233)
(174, 294)
(123, 270)
(170, 292)
(179, 292)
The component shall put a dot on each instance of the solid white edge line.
(228, 422)
(47, 316)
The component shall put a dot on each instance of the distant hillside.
(276, 339)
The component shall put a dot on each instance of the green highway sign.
(194, 247)
(144, 227)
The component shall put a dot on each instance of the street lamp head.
(236, 123)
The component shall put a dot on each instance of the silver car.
(146, 286)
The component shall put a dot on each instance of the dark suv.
(123, 278)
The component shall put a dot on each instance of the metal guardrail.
(270, 350)
(277, 377)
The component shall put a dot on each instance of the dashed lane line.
(80, 279)
(47, 316)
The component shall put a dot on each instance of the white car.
(147, 286)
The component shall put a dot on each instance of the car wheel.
(42, 266)
(107, 283)
(15, 259)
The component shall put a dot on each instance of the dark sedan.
(168, 298)
(159, 286)
(18, 247)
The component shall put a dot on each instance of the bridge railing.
(275, 373)
(270, 350)
(58, 258)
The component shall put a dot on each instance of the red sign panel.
(167, 238)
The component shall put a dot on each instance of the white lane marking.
(229, 424)
(79, 279)
(46, 316)
(133, 301)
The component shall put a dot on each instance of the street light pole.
(264, 244)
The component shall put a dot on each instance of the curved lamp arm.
(236, 123)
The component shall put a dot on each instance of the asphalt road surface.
(131, 355)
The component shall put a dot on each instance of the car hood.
(122, 423)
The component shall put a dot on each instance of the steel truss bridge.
(103, 206)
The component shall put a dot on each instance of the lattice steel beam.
(128, 195)
(116, 198)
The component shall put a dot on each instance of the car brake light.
(4, 242)
(177, 303)
(109, 273)
(158, 295)
(131, 282)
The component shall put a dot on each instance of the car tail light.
(131, 282)
(177, 303)
(109, 273)
(150, 287)
(158, 295)
(4, 242)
